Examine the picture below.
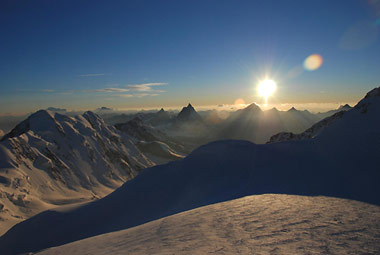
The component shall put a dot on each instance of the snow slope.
(155, 144)
(262, 224)
(318, 127)
(342, 161)
(51, 159)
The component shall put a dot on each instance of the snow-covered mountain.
(323, 115)
(317, 128)
(139, 131)
(162, 117)
(51, 159)
(255, 125)
(308, 133)
(341, 161)
(152, 142)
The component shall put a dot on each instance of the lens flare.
(239, 101)
(313, 62)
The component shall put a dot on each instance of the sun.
(266, 88)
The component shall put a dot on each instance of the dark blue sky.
(85, 54)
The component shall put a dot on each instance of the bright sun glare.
(266, 88)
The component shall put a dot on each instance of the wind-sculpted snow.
(342, 161)
(262, 224)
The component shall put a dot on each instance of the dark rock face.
(188, 113)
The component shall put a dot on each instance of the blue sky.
(135, 54)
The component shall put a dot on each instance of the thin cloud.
(146, 94)
(138, 95)
(37, 90)
(126, 95)
(146, 87)
(109, 90)
(92, 75)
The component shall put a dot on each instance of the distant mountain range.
(83, 157)
(340, 160)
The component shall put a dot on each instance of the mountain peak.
(42, 114)
(188, 113)
(253, 106)
(373, 93)
(274, 109)
(40, 120)
(190, 107)
(104, 108)
(344, 107)
(292, 109)
(91, 114)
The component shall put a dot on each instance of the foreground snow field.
(263, 224)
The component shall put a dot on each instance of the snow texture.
(262, 224)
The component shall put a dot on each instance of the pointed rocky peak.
(292, 109)
(189, 108)
(253, 107)
(162, 114)
(344, 107)
(188, 113)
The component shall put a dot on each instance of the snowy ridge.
(313, 131)
(51, 159)
(151, 141)
(341, 161)
(308, 133)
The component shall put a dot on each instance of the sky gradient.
(142, 54)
